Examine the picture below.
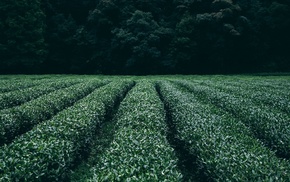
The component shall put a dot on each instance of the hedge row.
(14, 98)
(272, 128)
(12, 85)
(20, 119)
(270, 97)
(49, 150)
(264, 83)
(224, 146)
(139, 150)
(274, 93)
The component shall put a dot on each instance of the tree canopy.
(144, 37)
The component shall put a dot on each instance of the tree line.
(144, 37)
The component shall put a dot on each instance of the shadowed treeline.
(144, 37)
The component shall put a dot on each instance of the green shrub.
(139, 151)
(18, 120)
(50, 149)
(14, 98)
(272, 128)
(225, 148)
(12, 85)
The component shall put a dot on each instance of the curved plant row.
(264, 83)
(12, 85)
(272, 98)
(139, 150)
(20, 119)
(49, 150)
(272, 128)
(279, 84)
(14, 98)
(224, 147)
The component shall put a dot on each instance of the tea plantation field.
(155, 128)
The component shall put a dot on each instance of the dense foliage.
(53, 146)
(144, 37)
(22, 31)
(139, 141)
(224, 146)
(158, 128)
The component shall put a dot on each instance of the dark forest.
(144, 37)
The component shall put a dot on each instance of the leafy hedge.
(18, 120)
(49, 150)
(273, 128)
(12, 85)
(225, 147)
(14, 98)
(258, 91)
(139, 151)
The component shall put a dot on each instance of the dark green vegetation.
(144, 37)
(162, 128)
